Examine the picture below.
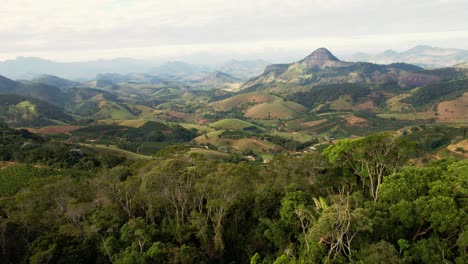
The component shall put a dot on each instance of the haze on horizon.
(211, 31)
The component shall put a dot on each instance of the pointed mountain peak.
(220, 75)
(322, 57)
(322, 54)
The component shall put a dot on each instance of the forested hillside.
(365, 200)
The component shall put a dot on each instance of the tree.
(339, 224)
(430, 204)
(223, 188)
(370, 158)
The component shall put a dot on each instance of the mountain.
(31, 67)
(50, 94)
(243, 69)
(179, 69)
(7, 85)
(221, 76)
(350, 93)
(130, 78)
(216, 80)
(321, 58)
(20, 110)
(83, 101)
(322, 68)
(425, 56)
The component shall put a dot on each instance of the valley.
(287, 108)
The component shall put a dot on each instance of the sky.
(208, 31)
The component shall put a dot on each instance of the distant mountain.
(425, 56)
(216, 80)
(244, 69)
(179, 69)
(37, 69)
(218, 75)
(30, 67)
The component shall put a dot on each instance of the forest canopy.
(360, 200)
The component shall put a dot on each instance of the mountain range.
(300, 91)
(31, 67)
(422, 55)
(322, 67)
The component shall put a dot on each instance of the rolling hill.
(20, 110)
(55, 81)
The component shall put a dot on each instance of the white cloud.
(77, 30)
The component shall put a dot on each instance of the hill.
(7, 85)
(19, 110)
(55, 81)
(236, 124)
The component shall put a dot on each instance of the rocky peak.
(322, 54)
(322, 57)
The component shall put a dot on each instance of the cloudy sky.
(213, 30)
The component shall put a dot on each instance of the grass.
(242, 100)
(408, 116)
(301, 137)
(113, 111)
(202, 129)
(133, 123)
(209, 154)
(275, 110)
(234, 124)
(209, 138)
(113, 148)
(255, 145)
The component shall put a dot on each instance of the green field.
(235, 124)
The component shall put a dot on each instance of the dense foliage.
(148, 139)
(25, 147)
(358, 201)
(21, 110)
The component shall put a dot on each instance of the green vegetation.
(359, 201)
(236, 124)
(147, 139)
(319, 161)
(25, 111)
(437, 92)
